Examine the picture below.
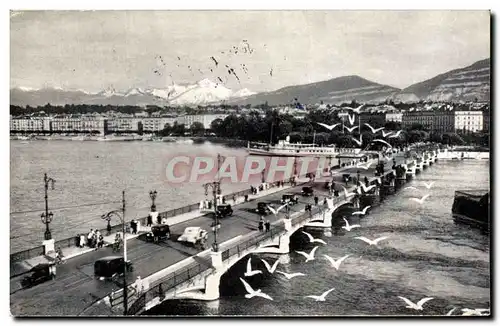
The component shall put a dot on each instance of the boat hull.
(263, 152)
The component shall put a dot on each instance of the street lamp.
(121, 216)
(152, 195)
(47, 217)
(215, 186)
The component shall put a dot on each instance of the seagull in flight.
(312, 239)
(473, 312)
(320, 297)
(269, 268)
(350, 129)
(420, 200)
(357, 109)
(252, 293)
(364, 166)
(249, 271)
(365, 188)
(290, 276)
(309, 256)
(329, 127)
(336, 263)
(349, 227)
(396, 134)
(360, 141)
(372, 242)
(384, 134)
(418, 306)
(373, 129)
(351, 120)
(428, 185)
(275, 212)
(363, 212)
(346, 193)
(383, 142)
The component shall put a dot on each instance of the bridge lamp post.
(121, 216)
(215, 186)
(152, 195)
(47, 216)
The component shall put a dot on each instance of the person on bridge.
(268, 225)
(261, 224)
(316, 200)
(150, 220)
(366, 180)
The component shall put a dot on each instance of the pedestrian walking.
(261, 224)
(316, 200)
(268, 225)
(150, 220)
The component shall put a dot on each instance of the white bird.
(320, 297)
(350, 129)
(428, 185)
(364, 166)
(357, 109)
(408, 188)
(384, 134)
(276, 211)
(383, 141)
(451, 311)
(252, 293)
(328, 126)
(372, 242)
(312, 239)
(473, 312)
(396, 134)
(420, 200)
(418, 306)
(367, 189)
(309, 256)
(360, 141)
(351, 120)
(347, 194)
(373, 129)
(336, 263)
(363, 212)
(249, 271)
(349, 227)
(269, 268)
(290, 276)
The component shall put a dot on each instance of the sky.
(96, 50)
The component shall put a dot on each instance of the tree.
(197, 129)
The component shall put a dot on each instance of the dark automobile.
(110, 266)
(158, 232)
(289, 197)
(262, 208)
(40, 274)
(224, 210)
(307, 191)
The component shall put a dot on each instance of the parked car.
(289, 197)
(40, 273)
(193, 234)
(224, 210)
(263, 208)
(158, 233)
(307, 191)
(111, 266)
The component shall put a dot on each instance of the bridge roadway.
(75, 287)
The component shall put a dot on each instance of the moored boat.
(472, 207)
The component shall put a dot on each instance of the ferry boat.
(472, 207)
(285, 148)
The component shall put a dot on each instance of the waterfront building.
(122, 125)
(26, 124)
(486, 119)
(156, 124)
(468, 121)
(77, 124)
(394, 116)
(205, 119)
(435, 121)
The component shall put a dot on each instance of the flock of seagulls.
(424, 197)
(352, 119)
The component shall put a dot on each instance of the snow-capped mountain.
(203, 92)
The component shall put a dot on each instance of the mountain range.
(463, 84)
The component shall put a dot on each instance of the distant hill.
(463, 84)
(333, 91)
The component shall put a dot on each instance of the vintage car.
(263, 208)
(193, 234)
(307, 191)
(110, 266)
(224, 210)
(158, 233)
(289, 198)
(40, 274)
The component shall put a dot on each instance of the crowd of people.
(94, 239)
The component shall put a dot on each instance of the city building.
(122, 125)
(468, 121)
(205, 119)
(435, 121)
(77, 124)
(486, 119)
(27, 124)
(394, 116)
(150, 125)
